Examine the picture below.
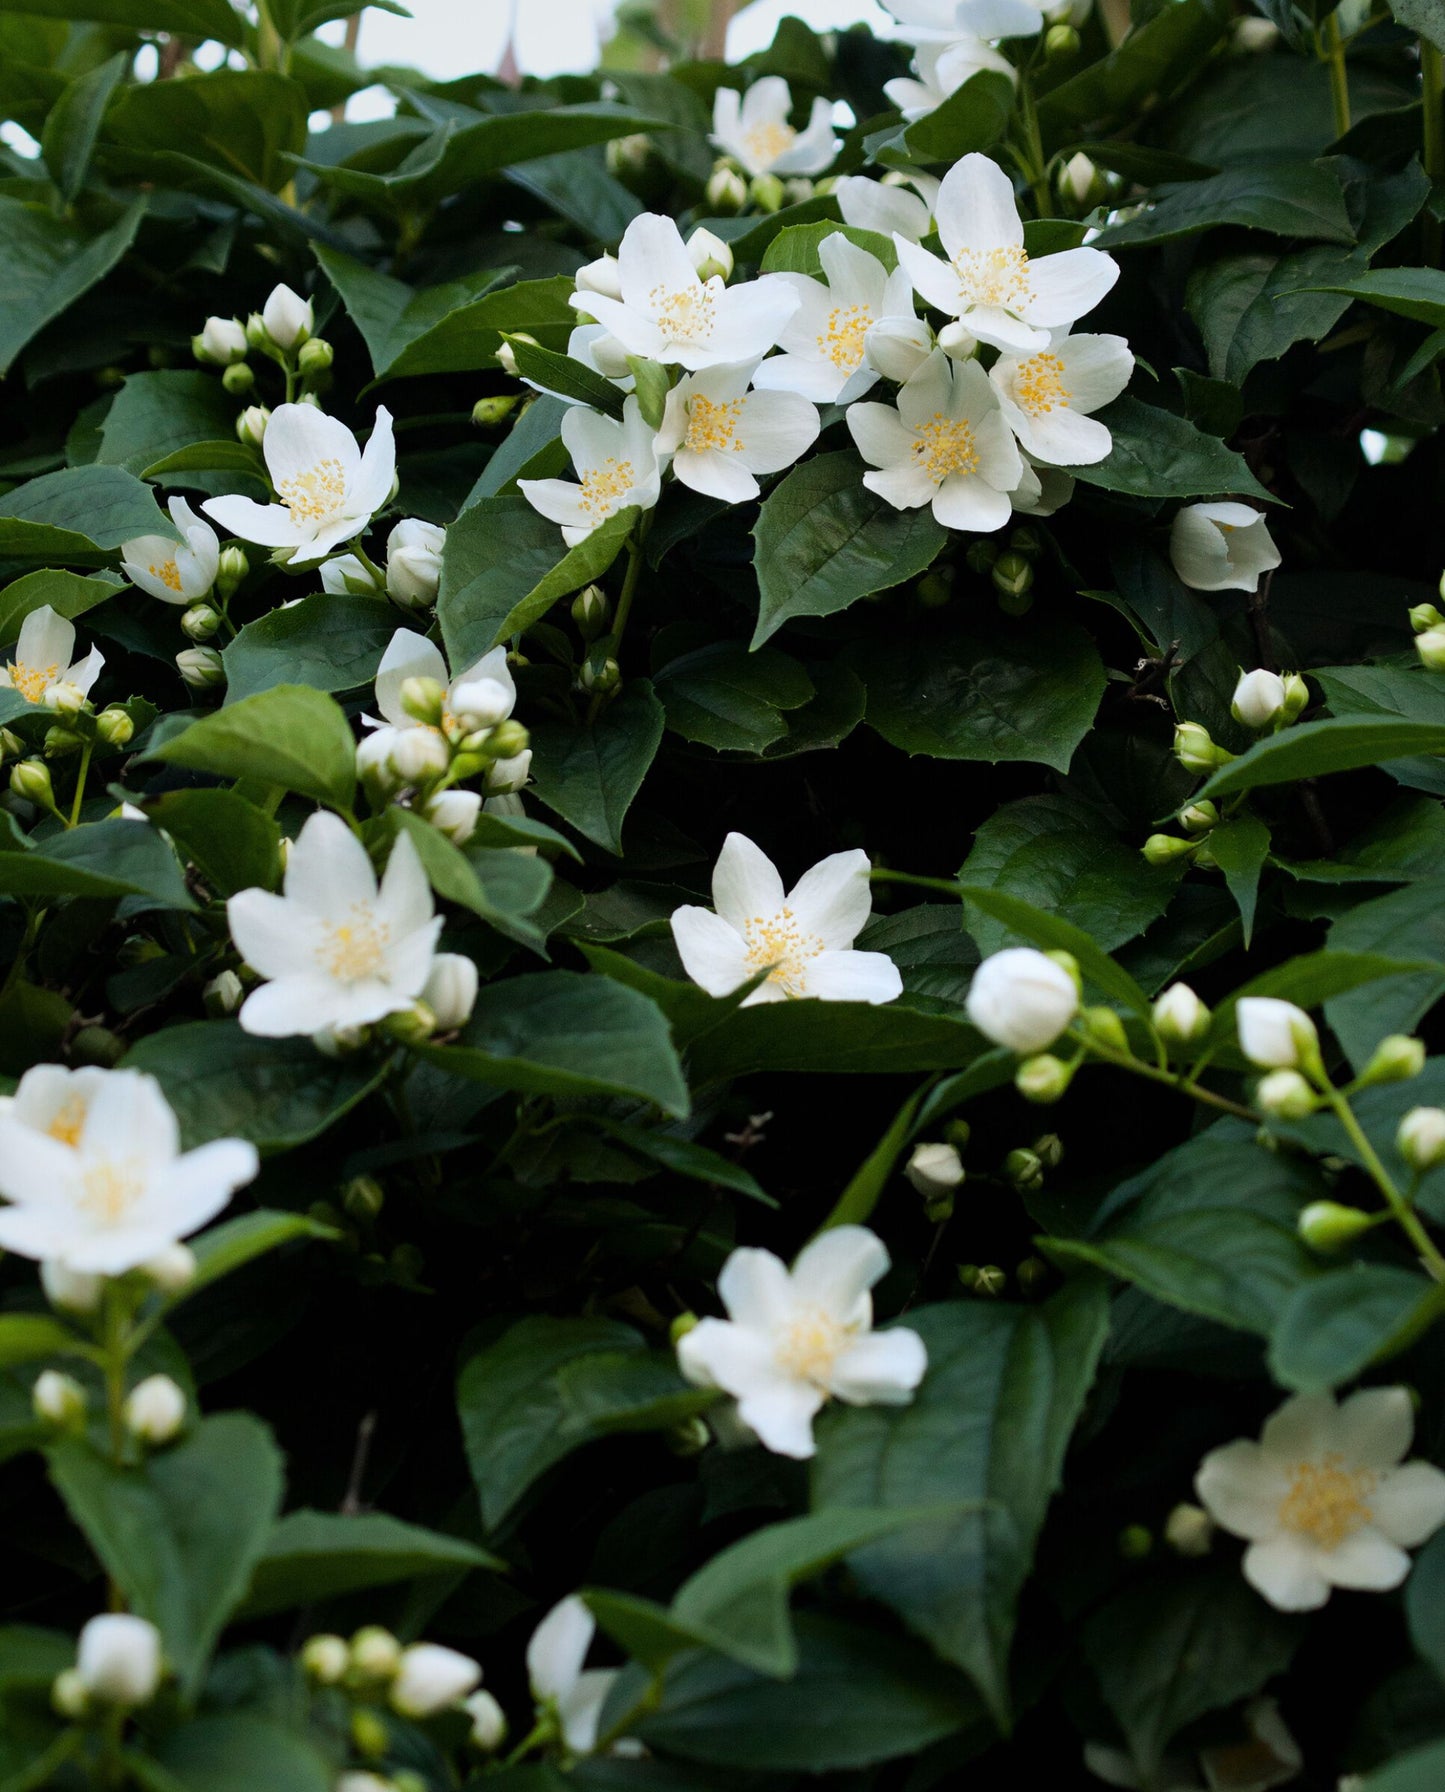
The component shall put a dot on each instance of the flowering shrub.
(721, 889)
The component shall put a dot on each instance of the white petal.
(768, 101)
(716, 474)
(837, 1268)
(814, 148)
(755, 1289)
(1062, 435)
(405, 899)
(268, 525)
(289, 1006)
(712, 951)
(781, 1415)
(735, 1358)
(46, 639)
(869, 205)
(328, 869)
(976, 208)
(558, 500)
(965, 501)
(1287, 1572)
(652, 254)
(776, 428)
(130, 1118)
(197, 1186)
(1001, 329)
(1409, 1503)
(298, 437)
(34, 1168)
(1241, 1489)
(1366, 1562)
(1302, 1430)
(371, 487)
(879, 434)
(408, 655)
(272, 935)
(559, 1647)
(853, 977)
(933, 280)
(581, 1708)
(1374, 1427)
(1069, 284)
(748, 320)
(633, 328)
(880, 1369)
(905, 488)
(745, 883)
(84, 673)
(834, 899)
(1097, 369)
(40, 1233)
(491, 665)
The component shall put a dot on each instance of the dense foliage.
(355, 922)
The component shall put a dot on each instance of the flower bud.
(172, 1270)
(1327, 1226)
(221, 342)
(315, 357)
(1198, 818)
(1023, 1168)
(1061, 43)
(985, 1279)
(371, 1738)
(1180, 1016)
(1420, 1139)
(363, 1198)
(201, 667)
(1296, 697)
(60, 740)
(1104, 1027)
(1285, 1095)
(798, 189)
(231, 568)
(1195, 750)
(489, 1721)
(1136, 1541)
(1252, 35)
(418, 755)
(506, 776)
(58, 1400)
(454, 813)
(1043, 1078)
(897, 347)
(1276, 1035)
(414, 563)
(1431, 648)
(375, 1654)
(487, 413)
(288, 318)
(1081, 182)
(71, 1290)
(1012, 575)
(450, 990)
(601, 675)
(767, 192)
(481, 703)
(201, 621)
(726, 190)
(65, 698)
(325, 1659)
(935, 588)
(1395, 1060)
(628, 155)
(239, 380)
(378, 776)
(251, 425)
(1258, 699)
(423, 699)
(1022, 998)
(431, 1679)
(1031, 1273)
(934, 1169)
(10, 743)
(119, 1660)
(1423, 616)
(114, 726)
(1189, 1530)
(710, 255)
(68, 1697)
(680, 1327)
(602, 276)
(30, 779)
(223, 994)
(590, 611)
(155, 1410)
(506, 358)
(412, 1025)
(958, 342)
(1164, 849)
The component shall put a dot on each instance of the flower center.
(685, 316)
(809, 1345)
(1326, 1501)
(354, 949)
(32, 682)
(605, 487)
(169, 575)
(766, 142)
(1039, 385)
(778, 941)
(841, 341)
(711, 425)
(944, 447)
(69, 1121)
(998, 277)
(317, 495)
(110, 1190)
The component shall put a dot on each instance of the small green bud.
(628, 155)
(59, 1400)
(1420, 1139)
(69, 1695)
(680, 1327)
(985, 1279)
(200, 621)
(30, 779)
(369, 1734)
(375, 1654)
(325, 1659)
(239, 380)
(487, 413)
(1395, 1060)
(1199, 818)
(1023, 1167)
(1136, 1541)
(231, 569)
(60, 742)
(958, 1133)
(1012, 575)
(601, 676)
(314, 357)
(507, 739)
(1043, 1078)
(412, 1025)
(981, 554)
(1423, 616)
(97, 1045)
(1103, 1025)
(935, 588)
(114, 726)
(201, 667)
(423, 699)
(1327, 1226)
(363, 1197)
(1189, 1530)
(1067, 962)
(767, 192)
(1061, 43)
(251, 425)
(727, 191)
(591, 611)
(1164, 849)
(257, 335)
(10, 743)
(1031, 1274)
(690, 1437)
(1285, 1095)
(1026, 541)
(223, 995)
(1049, 1149)
(1195, 750)
(1296, 697)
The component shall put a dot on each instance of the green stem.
(115, 1346)
(369, 564)
(624, 602)
(1195, 1091)
(1432, 105)
(1408, 1219)
(1036, 167)
(80, 778)
(1332, 48)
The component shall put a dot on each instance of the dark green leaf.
(240, 1752)
(1292, 199)
(1159, 455)
(1240, 848)
(79, 516)
(588, 772)
(290, 735)
(1334, 1328)
(727, 698)
(46, 263)
(311, 1556)
(333, 642)
(1313, 749)
(103, 858)
(233, 844)
(71, 128)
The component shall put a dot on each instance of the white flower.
(414, 562)
(793, 1339)
(484, 690)
(1046, 395)
(43, 658)
(451, 990)
(980, 18)
(824, 342)
(601, 276)
(1022, 998)
(754, 129)
(988, 281)
(934, 1169)
(119, 1659)
(222, 341)
(430, 1679)
(53, 1100)
(666, 313)
(345, 576)
(560, 1682)
(946, 445)
(1221, 547)
(155, 1409)
(288, 318)
(1323, 1497)
(120, 1190)
(886, 206)
(339, 950)
(594, 347)
(454, 813)
(57, 1399)
(942, 69)
(329, 489)
(805, 936)
(617, 465)
(177, 572)
(1273, 1034)
(721, 436)
(1258, 698)
(489, 1721)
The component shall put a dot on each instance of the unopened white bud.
(71, 1290)
(375, 1653)
(201, 667)
(173, 1269)
(710, 255)
(1420, 1139)
(288, 318)
(489, 1721)
(374, 767)
(601, 276)
(1022, 998)
(345, 576)
(1394, 1060)
(726, 190)
(119, 1659)
(64, 698)
(58, 1400)
(155, 1410)
(450, 990)
(431, 1679)
(1079, 179)
(958, 342)
(414, 562)
(325, 1658)
(481, 703)
(1043, 1078)
(1189, 1530)
(933, 1169)
(504, 776)
(419, 754)
(223, 994)
(423, 699)
(1258, 699)
(1276, 1035)
(1180, 1016)
(1431, 648)
(1285, 1095)
(251, 424)
(222, 342)
(897, 346)
(454, 813)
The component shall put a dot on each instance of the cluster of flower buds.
(413, 567)
(416, 1680)
(154, 1411)
(118, 1667)
(1429, 627)
(1009, 565)
(283, 332)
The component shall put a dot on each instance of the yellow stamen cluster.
(110, 1190)
(316, 495)
(1327, 1501)
(1039, 385)
(605, 487)
(683, 316)
(713, 425)
(944, 447)
(841, 340)
(354, 949)
(32, 682)
(994, 277)
(69, 1122)
(809, 1345)
(169, 575)
(779, 942)
(766, 142)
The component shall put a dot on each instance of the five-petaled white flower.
(177, 572)
(803, 938)
(668, 314)
(942, 68)
(721, 436)
(887, 206)
(616, 463)
(1046, 395)
(946, 444)
(339, 949)
(989, 281)
(96, 1174)
(563, 1687)
(329, 489)
(754, 129)
(793, 1339)
(1325, 1497)
(825, 341)
(480, 697)
(1222, 546)
(42, 658)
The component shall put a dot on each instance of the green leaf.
(191, 18)
(230, 1246)
(974, 117)
(824, 541)
(503, 887)
(246, 122)
(579, 566)
(156, 415)
(233, 844)
(685, 1157)
(224, 1083)
(67, 593)
(497, 554)
(1052, 933)
(1421, 1769)
(311, 1556)
(332, 642)
(80, 516)
(102, 859)
(1314, 749)
(180, 1534)
(1240, 848)
(566, 378)
(1167, 47)
(1361, 1017)
(1417, 293)
(548, 1386)
(533, 449)
(840, 1038)
(46, 263)
(563, 1033)
(240, 1752)
(1158, 455)
(74, 122)
(999, 691)
(1425, 1604)
(27, 1337)
(289, 735)
(795, 250)
(990, 1424)
(1292, 199)
(1252, 306)
(1336, 1327)
(729, 699)
(588, 772)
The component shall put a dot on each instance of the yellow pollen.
(778, 941)
(316, 495)
(809, 1345)
(110, 1190)
(994, 277)
(766, 142)
(1326, 1501)
(1039, 385)
(169, 575)
(683, 316)
(605, 487)
(354, 949)
(32, 682)
(69, 1122)
(841, 341)
(711, 425)
(945, 447)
